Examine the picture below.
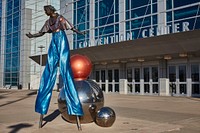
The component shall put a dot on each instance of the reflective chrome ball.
(81, 66)
(91, 97)
(105, 117)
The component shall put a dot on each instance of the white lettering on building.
(148, 32)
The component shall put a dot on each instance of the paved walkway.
(135, 114)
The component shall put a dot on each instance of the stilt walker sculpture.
(58, 53)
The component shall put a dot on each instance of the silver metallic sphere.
(105, 117)
(91, 97)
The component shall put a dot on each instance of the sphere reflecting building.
(91, 97)
(105, 117)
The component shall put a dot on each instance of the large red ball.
(81, 66)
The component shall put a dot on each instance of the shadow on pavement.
(28, 95)
(51, 117)
(17, 127)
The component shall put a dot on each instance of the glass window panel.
(110, 77)
(155, 88)
(185, 13)
(97, 76)
(81, 3)
(136, 3)
(182, 73)
(127, 4)
(106, 20)
(195, 73)
(116, 87)
(16, 3)
(96, 10)
(140, 12)
(110, 88)
(116, 75)
(137, 74)
(178, 3)
(106, 30)
(154, 8)
(154, 1)
(103, 87)
(81, 27)
(127, 15)
(146, 88)
(103, 76)
(195, 89)
(117, 18)
(116, 28)
(197, 24)
(146, 74)
(169, 16)
(128, 25)
(116, 6)
(137, 88)
(169, 4)
(129, 75)
(155, 19)
(183, 89)
(155, 74)
(130, 88)
(172, 73)
(81, 15)
(106, 8)
(75, 22)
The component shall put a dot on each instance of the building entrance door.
(108, 80)
(143, 80)
(178, 79)
(195, 74)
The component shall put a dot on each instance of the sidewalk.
(135, 114)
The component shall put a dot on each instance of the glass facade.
(141, 15)
(106, 20)
(12, 42)
(81, 22)
(180, 11)
(140, 19)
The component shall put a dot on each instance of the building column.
(122, 9)
(142, 86)
(189, 87)
(106, 86)
(164, 87)
(92, 22)
(2, 57)
(123, 89)
(162, 17)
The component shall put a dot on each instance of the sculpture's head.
(49, 9)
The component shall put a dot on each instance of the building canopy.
(152, 48)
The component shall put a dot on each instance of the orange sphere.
(81, 66)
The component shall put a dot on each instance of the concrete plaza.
(135, 114)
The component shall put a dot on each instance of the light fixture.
(183, 54)
(115, 61)
(167, 57)
(140, 59)
(104, 63)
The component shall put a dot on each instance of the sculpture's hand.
(29, 35)
(83, 33)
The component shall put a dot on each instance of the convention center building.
(137, 47)
(147, 47)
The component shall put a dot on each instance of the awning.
(148, 48)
